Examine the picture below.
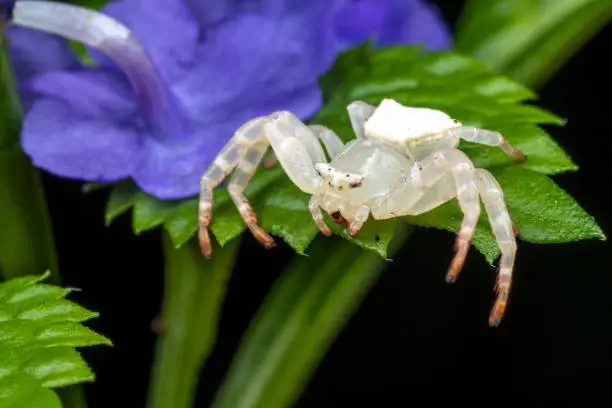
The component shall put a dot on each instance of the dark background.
(414, 336)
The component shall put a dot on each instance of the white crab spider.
(404, 161)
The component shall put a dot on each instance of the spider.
(404, 161)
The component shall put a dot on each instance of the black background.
(414, 337)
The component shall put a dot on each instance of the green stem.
(26, 238)
(194, 292)
(306, 309)
(26, 241)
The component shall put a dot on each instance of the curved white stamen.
(78, 23)
(115, 40)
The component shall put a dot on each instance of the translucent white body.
(404, 161)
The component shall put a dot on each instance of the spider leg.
(488, 138)
(359, 218)
(222, 166)
(462, 170)
(441, 176)
(317, 216)
(238, 183)
(359, 112)
(502, 227)
(297, 149)
(330, 140)
(293, 143)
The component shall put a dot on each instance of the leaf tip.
(45, 275)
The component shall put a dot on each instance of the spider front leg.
(294, 144)
(222, 166)
(238, 183)
(502, 227)
(333, 144)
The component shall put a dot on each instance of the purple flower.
(169, 92)
(49, 53)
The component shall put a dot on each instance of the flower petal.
(209, 13)
(165, 28)
(170, 174)
(32, 52)
(67, 143)
(249, 63)
(90, 92)
(416, 22)
(392, 22)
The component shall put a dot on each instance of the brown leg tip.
(205, 244)
(262, 236)
(519, 155)
(326, 231)
(497, 313)
(461, 250)
(352, 231)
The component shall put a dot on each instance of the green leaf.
(307, 307)
(542, 211)
(149, 212)
(39, 330)
(21, 390)
(121, 199)
(529, 39)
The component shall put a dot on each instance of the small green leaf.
(12, 286)
(121, 199)
(182, 224)
(36, 294)
(38, 330)
(285, 213)
(543, 212)
(55, 311)
(69, 334)
(21, 390)
(149, 212)
(57, 367)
